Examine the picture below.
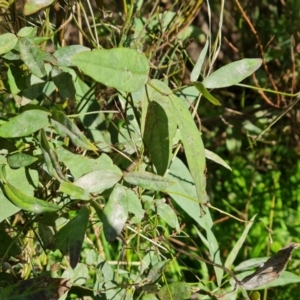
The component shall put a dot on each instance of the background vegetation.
(76, 119)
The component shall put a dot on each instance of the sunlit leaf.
(193, 146)
(122, 68)
(198, 66)
(23, 124)
(50, 158)
(78, 276)
(27, 202)
(148, 180)
(64, 54)
(66, 128)
(115, 213)
(17, 178)
(201, 88)
(216, 158)
(98, 181)
(74, 191)
(32, 6)
(168, 215)
(184, 193)
(28, 31)
(32, 57)
(19, 160)
(175, 291)
(238, 245)
(7, 42)
(80, 165)
(232, 73)
(134, 205)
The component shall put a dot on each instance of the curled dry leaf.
(271, 269)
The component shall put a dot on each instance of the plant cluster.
(103, 169)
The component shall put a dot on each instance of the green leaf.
(64, 54)
(160, 126)
(7, 208)
(167, 214)
(106, 282)
(193, 146)
(27, 202)
(61, 238)
(46, 233)
(66, 128)
(32, 57)
(201, 88)
(80, 165)
(156, 137)
(77, 234)
(25, 123)
(64, 83)
(115, 213)
(8, 245)
(27, 31)
(156, 271)
(214, 251)
(98, 181)
(113, 291)
(134, 205)
(78, 276)
(175, 291)
(149, 297)
(184, 193)
(7, 42)
(34, 89)
(232, 73)
(122, 68)
(16, 81)
(198, 66)
(148, 180)
(19, 160)
(37, 288)
(18, 178)
(238, 245)
(74, 191)
(216, 158)
(251, 263)
(32, 6)
(51, 158)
